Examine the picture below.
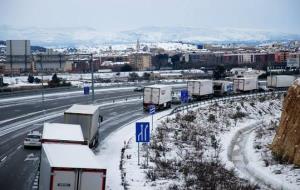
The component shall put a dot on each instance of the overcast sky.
(119, 15)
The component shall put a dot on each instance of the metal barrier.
(225, 98)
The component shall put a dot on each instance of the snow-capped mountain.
(76, 36)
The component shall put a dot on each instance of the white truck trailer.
(158, 95)
(62, 133)
(70, 167)
(199, 89)
(280, 81)
(89, 118)
(245, 84)
(222, 87)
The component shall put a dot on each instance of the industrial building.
(49, 62)
(18, 56)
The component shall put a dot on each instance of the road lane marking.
(3, 159)
(31, 157)
(19, 147)
(27, 122)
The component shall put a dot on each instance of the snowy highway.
(18, 166)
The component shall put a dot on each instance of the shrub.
(238, 115)
(190, 117)
(150, 174)
(37, 80)
(211, 118)
(30, 78)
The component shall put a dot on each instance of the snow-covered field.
(193, 149)
(81, 79)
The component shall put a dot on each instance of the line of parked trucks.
(161, 95)
(67, 162)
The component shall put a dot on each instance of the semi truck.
(89, 118)
(199, 89)
(245, 84)
(222, 87)
(70, 167)
(280, 81)
(159, 96)
(62, 133)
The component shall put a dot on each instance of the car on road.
(33, 139)
(138, 89)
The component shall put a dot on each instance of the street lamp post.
(92, 72)
(43, 96)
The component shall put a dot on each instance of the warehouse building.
(18, 56)
(49, 62)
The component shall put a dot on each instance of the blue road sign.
(184, 96)
(86, 90)
(152, 109)
(142, 132)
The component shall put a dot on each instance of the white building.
(49, 62)
(18, 47)
(293, 61)
(18, 56)
(246, 58)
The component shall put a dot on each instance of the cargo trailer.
(222, 87)
(89, 118)
(245, 84)
(62, 133)
(199, 89)
(280, 81)
(158, 95)
(70, 167)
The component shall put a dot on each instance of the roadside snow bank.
(257, 168)
(110, 150)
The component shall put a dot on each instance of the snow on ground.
(78, 79)
(21, 81)
(186, 148)
(110, 152)
(282, 175)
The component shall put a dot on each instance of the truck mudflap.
(146, 106)
(166, 105)
(94, 141)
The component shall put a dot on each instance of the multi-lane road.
(19, 115)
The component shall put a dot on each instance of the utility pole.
(92, 72)
(43, 96)
(270, 74)
(10, 58)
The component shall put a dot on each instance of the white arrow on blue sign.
(142, 132)
(152, 109)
